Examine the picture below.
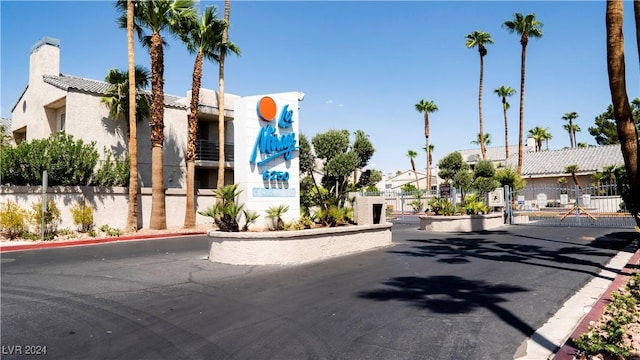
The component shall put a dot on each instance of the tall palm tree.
(158, 16)
(117, 101)
(202, 38)
(503, 92)
(573, 169)
(627, 132)
(427, 107)
(429, 152)
(525, 26)
(486, 139)
(546, 136)
(118, 94)
(570, 116)
(538, 134)
(412, 155)
(225, 47)
(132, 211)
(479, 39)
(572, 129)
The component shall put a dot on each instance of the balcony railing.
(207, 150)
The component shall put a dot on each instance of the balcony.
(207, 150)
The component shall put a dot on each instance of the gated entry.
(597, 206)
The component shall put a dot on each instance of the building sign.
(273, 142)
(445, 190)
(496, 197)
(266, 147)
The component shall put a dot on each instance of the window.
(62, 121)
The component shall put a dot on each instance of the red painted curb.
(568, 351)
(46, 245)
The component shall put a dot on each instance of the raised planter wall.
(295, 247)
(461, 222)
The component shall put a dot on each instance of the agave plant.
(275, 214)
(226, 213)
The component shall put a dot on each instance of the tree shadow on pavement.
(462, 250)
(454, 295)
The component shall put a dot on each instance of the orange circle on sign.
(267, 108)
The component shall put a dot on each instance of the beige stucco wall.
(110, 204)
(295, 247)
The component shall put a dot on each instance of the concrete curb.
(55, 244)
(568, 350)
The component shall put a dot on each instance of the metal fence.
(596, 206)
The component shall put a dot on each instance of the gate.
(595, 206)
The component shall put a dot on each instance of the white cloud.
(329, 102)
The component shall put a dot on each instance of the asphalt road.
(430, 296)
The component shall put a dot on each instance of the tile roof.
(68, 82)
(554, 162)
(495, 153)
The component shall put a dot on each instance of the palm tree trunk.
(627, 132)
(158, 210)
(506, 128)
(190, 206)
(221, 125)
(132, 212)
(636, 10)
(521, 130)
(483, 148)
(426, 136)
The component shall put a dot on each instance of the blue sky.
(362, 65)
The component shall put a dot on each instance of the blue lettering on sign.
(286, 117)
(272, 144)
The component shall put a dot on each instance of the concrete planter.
(461, 222)
(295, 247)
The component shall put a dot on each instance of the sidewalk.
(8, 247)
(585, 306)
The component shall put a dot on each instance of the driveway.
(430, 296)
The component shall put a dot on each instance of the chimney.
(44, 59)
(530, 144)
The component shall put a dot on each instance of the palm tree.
(118, 95)
(525, 26)
(430, 159)
(503, 92)
(427, 107)
(117, 101)
(627, 132)
(538, 135)
(479, 39)
(412, 155)
(202, 38)
(158, 16)
(224, 47)
(486, 139)
(132, 211)
(570, 127)
(546, 136)
(573, 169)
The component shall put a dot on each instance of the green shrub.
(110, 231)
(51, 218)
(441, 206)
(82, 217)
(13, 219)
(24, 164)
(473, 205)
(113, 171)
(275, 214)
(416, 205)
(226, 211)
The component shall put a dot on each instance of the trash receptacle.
(369, 210)
(377, 213)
